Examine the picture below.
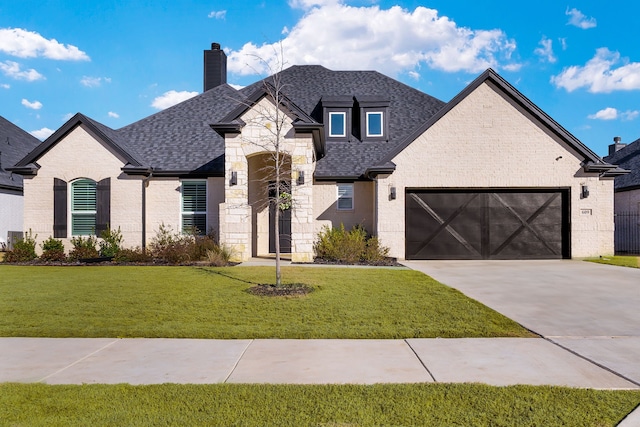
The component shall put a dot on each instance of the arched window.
(83, 207)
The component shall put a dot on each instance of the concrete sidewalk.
(495, 361)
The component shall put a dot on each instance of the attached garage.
(487, 224)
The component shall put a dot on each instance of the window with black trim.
(194, 207)
(83, 207)
(345, 197)
(374, 118)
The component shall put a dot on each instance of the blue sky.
(118, 61)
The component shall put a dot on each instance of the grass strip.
(313, 405)
(622, 261)
(190, 302)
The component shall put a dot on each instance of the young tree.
(272, 119)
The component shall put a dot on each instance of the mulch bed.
(266, 290)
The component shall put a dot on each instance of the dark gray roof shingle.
(306, 85)
(180, 138)
(627, 158)
(15, 143)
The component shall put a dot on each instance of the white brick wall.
(79, 155)
(486, 142)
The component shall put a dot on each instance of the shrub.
(53, 250)
(83, 248)
(111, 242)
(171, 247)
(24, 250)
(350, 247)
(136, 255)
(202, 245)
(219, 256)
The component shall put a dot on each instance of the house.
(487, 175)
(15, 143)
(627, 195)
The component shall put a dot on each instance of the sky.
(119, 61)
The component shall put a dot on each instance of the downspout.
(145, 184)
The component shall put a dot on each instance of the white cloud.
(236, 87)
(67, 116)
(42, 134)
(12, 69)
(610, 113)
(35, 105)
(391, 40)
(599, 75)
(94, 81)
(171, 98)
(113, 115)
(414, 75)
(578, 19)
(29, 44)
(217, 14)
(308, 4)
(563, 43)
(545, 51)
(5, 86)
(606, 114)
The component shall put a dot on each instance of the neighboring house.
(627, 195)
(487, 175)
(15, 143)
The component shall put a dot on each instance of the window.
(194, 206)
(345, 197)
(337, 124)
(374, 124)
(83, 207)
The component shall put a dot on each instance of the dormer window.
(337, 124)
(374, 118)
(338, 117)
(374, 125)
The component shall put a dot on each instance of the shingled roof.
(15, 143)
(306, 85)
(627, 158)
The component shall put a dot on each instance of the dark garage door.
(490, 224)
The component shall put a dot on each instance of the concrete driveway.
(590, 309)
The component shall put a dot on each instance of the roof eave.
(30, 169)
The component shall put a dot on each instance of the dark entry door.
(490, 224)
(284, 221)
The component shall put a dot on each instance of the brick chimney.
(616, 146)
(215, 67)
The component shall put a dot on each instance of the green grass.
(624, 261)
(191, 302)
(322, 405)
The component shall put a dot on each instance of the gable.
(80, 154)
(589, 160)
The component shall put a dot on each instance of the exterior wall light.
(234, 178)
(300, 179)
(392, 193)
(584, 191)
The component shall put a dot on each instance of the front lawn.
(193, 302)
(624, 261)
(320, 405)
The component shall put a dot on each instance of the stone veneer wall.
(236, 213)
(486, 142)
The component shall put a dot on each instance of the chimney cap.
(617, 139)
(215, 46)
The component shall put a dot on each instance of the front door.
(284, 222)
